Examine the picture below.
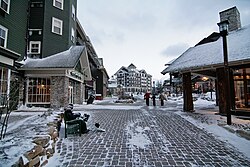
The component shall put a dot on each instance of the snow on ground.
(137, 136)
(206, 117)
(23, 127)
(26, 125)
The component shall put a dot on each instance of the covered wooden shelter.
(206, 58)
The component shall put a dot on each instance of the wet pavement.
(146, 137)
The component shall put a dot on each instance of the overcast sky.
(150, 33)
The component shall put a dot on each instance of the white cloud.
(175, 50)
(139, 31)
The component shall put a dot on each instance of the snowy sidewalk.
(137, 135)
(145, 136)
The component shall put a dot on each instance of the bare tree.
(8, 104)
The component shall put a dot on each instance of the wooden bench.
(72, 127)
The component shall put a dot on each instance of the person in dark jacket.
(147, 96)
(69, 115)
(153, 98)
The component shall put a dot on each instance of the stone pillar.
(187, 93)
(59, 91)
(79, 93)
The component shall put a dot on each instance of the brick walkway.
(171, 141)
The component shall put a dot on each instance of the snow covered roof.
(210, 55)
(131, 66)
(66, 59)
(130, 69)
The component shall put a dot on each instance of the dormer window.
(5, 5)
(58, 4)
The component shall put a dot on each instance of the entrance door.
(71, 95)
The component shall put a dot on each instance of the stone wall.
(79, 93)
(233, 16)
(59, 91)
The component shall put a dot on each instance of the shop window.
(5, 5)
(3, 36)
(58, 4)
(57, 26)
(39, 90)
(3, 85)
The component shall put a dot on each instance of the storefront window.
(39, 90)
(242, 87)
(3, 85)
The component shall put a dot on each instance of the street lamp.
(223, 27)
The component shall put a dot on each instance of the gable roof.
(131, 66)
(66, 59)
(210, 55)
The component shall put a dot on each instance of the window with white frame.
(58, 4)
(39, 90)
(73, 12)
(57, 26)
(72, 34)
(35, 47)
(5, 5)
(3, 36)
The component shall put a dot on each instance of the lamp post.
(223, 27)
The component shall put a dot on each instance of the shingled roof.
(210, 55)
(66, 59)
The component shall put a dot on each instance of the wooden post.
(187, 93)
(216, 90)
(221, 91)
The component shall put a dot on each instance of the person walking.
(146, 97)
(162, 98)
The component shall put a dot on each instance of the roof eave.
(43, 69)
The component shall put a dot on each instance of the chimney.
(233, 16)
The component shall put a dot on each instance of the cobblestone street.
(171, 141)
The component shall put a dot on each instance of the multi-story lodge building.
(39, 41)
(133, 80)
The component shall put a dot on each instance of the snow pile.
(22, 129)
(137, 136)
(206, 117)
